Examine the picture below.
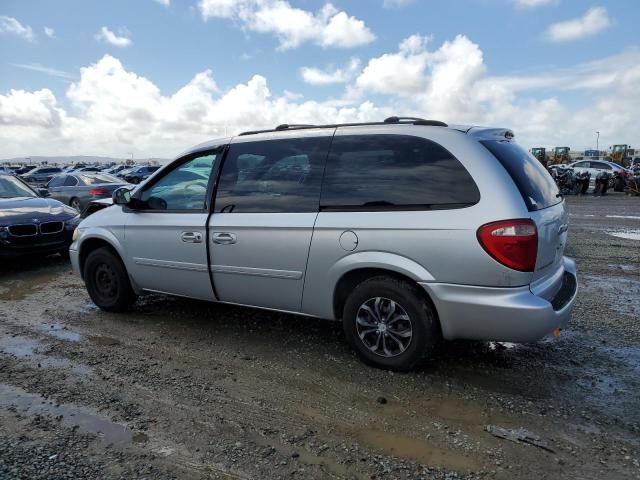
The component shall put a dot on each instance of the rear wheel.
(107, 281)
(390, 324)
(75, 203)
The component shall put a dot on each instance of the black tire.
(107, 281)
(75, 203)
(619, 185)
(423, 323)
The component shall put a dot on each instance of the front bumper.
(36, 246)
(503, 314)
(74, 256)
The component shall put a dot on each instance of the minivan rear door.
(542, 198)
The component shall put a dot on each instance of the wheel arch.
(360, 267)
(97, 240)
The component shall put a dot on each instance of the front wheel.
(390, 324)
(107, 281)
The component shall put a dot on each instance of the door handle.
(224, 238)
(191, 237)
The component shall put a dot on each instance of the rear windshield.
(534, 182)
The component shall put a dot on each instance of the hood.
(25, 209)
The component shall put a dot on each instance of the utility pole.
(598, 143)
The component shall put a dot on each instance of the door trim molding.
(257, 272)
(150, 262)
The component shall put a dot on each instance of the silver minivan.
(408, 231)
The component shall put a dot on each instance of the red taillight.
(98, 192)
(513, 243)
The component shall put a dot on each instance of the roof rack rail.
(387, 121)
(287, 126)
(415, 121)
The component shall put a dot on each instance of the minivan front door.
(265, 209)
(165, 233)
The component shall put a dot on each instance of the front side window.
(273, 176)
(601, 166)
(182, 188)
(394, 172)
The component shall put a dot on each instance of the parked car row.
(78, 189)
(30, 223)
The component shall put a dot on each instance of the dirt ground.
(189, 390)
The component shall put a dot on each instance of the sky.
(149, 78)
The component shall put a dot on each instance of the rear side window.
(70, 181)
(273, 176)
(394, 172)
(534, 182)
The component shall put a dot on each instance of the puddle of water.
(19, 288)
(421, 451)
(25, 348)
(626, 234)
(86, 420)
(104, 341)
(60, 331)
(630, 217)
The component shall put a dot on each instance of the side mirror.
(121, 196)
(43, 192)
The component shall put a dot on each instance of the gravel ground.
(189, 390)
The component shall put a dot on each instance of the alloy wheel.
(384, 327)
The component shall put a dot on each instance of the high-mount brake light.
(513, 243)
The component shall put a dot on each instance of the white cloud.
(533, 3)
(11, 26)
(111, 111)
(329, 27)
(49, 32)
(316, 76)
(403, 73)
(396, 3)
(166, 3)
(54, 72)
(110, 37)
(592, 22)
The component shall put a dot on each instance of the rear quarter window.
(394, 172)
(535, 184)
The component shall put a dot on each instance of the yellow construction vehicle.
(620, 154)
(560, 155)
(541, 154)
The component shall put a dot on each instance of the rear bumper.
(503, 314)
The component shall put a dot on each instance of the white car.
(596, 166)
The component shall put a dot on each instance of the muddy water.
(27, 350)
(419, 450)
(85, 420)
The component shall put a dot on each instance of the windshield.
(99, 178)
(11, 187)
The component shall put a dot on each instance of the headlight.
(77, 233)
